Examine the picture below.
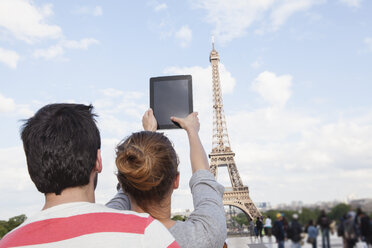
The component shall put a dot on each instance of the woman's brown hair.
(147, 167)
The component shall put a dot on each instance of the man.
(294, 232)
(278, 230)
(363, 224)
(62, 147)
(350, 231)
(259, 226)
(323, 222)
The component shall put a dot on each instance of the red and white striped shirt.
(83, 224)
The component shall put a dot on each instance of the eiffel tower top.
(220, 139)
(214, 54)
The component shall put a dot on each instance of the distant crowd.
(355, 228)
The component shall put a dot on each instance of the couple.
(62, 147)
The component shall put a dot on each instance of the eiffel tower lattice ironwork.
(222, 155)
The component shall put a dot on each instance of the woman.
(312, 234)
(268, 227)
(148, 172)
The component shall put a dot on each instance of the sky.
(295, 74)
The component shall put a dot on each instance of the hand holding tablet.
(170, 96)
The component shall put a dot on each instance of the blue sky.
(295, 74)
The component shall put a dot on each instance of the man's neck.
(74, 194)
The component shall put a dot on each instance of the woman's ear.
(176, 183)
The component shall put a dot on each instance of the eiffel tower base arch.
(240, 199)
(238, 194)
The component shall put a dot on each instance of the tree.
(272, 214)
(308, 214)
(179, 217)
(338, 211)
(16, 221)
(241, 219)
(288, 214)
(7, 226)
(3, 228)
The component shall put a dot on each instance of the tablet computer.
(171, 96)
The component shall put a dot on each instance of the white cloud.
(283, 11)
(97, 11)
(202, 83)
(257, 64)
(82, 44)
(120, 112)
(59, 49)
(233, 18)
(346, 142)
(6, 104)
(157, 6)
(26, 21)
(88, 10)
(352, 3)
(202, 77)
(284, 148)
(110, 92)
(15, 182)
(274, 89)
(49, 53)
(15, 176)
(24, 110)
(368, 42)
(9, 57)
(184, 35)
(161, 6)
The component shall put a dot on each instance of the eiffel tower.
(222, 155)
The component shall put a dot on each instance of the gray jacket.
(206, 225)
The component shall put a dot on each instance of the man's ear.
(98, 166)
(176, 183)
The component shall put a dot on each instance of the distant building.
(295, 206)
(263, 206)
(327, 206)
(365, 204)
(298, 205)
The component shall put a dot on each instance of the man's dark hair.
(61, 143)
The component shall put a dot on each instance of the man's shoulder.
(73, 220)
(68, 210)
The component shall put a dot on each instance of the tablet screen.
(170, 96)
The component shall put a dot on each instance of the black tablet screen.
(170, 98)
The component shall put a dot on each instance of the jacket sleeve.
(120, 201)
(206, 225)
